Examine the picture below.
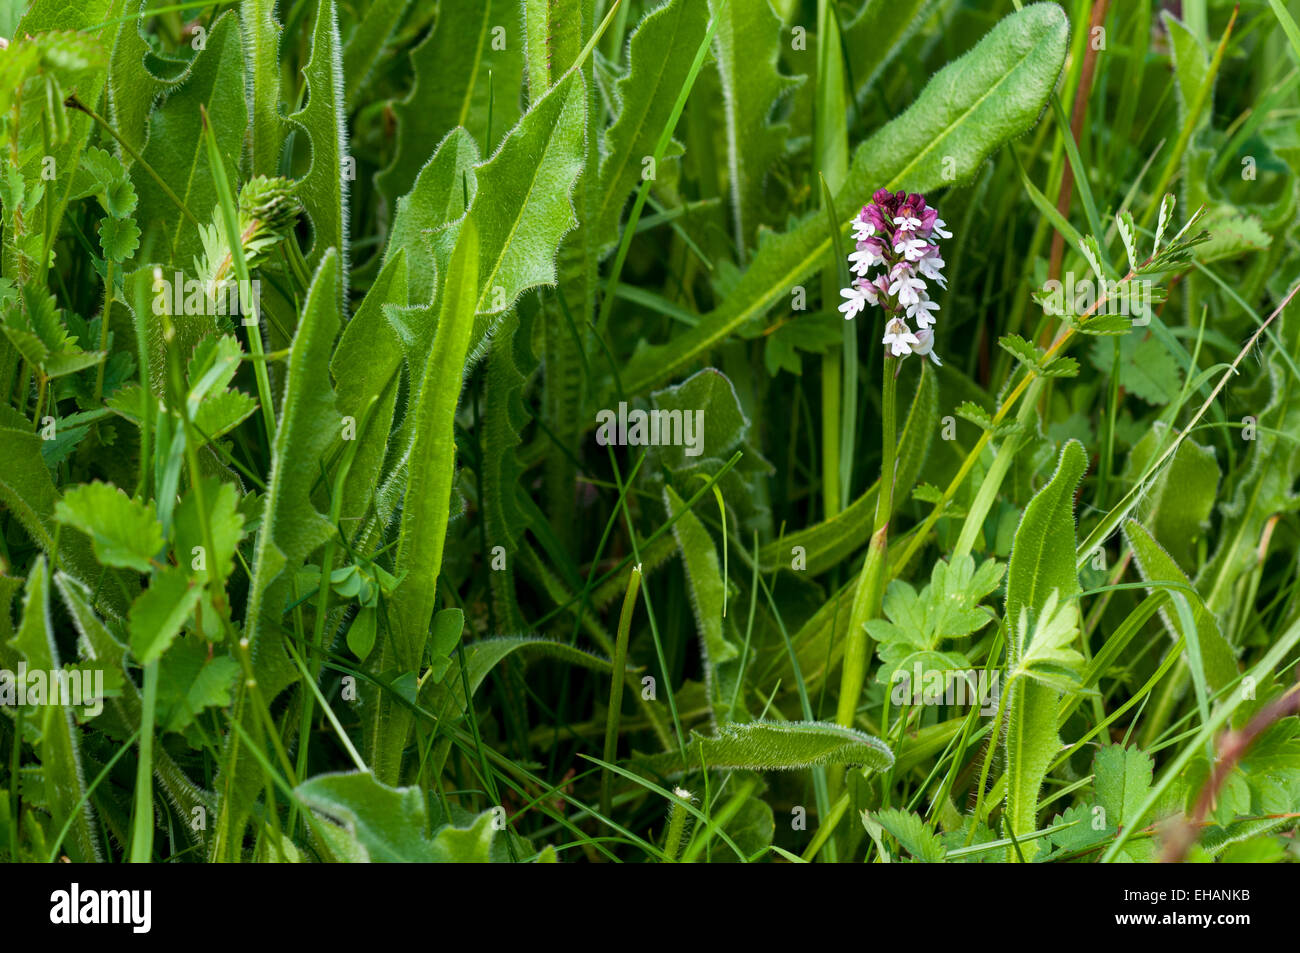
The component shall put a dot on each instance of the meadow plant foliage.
(430, 430)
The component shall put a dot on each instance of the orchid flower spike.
(897, 233)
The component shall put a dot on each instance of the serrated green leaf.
(450, 88)
(225, 523)
(124, 532)
(520, 228)
(969, 410)
(1020, 349)
(1123, 778)
(1232, 234)
(1128, 235)
(222, 413)
(747, 46)
(1178, 503)
(912, 834)
(323, 189)
(1044, 645)
(1104, 324)
(1166, 212)
(1060, 367)
(119, 238)
(1152, 373)
(1147, 369)
(436, 200)
(159, 613)
(189, 681)
(175, 140)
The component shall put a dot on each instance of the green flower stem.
(831, 389)
(42, 381)
(871, 583)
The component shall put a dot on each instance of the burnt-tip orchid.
(897, 232)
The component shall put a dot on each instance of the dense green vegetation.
(432, 430)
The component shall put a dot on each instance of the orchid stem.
(870, 591)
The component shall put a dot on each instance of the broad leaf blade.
(323, 190)
(1041, 568)
(60, 740)
(778, 746)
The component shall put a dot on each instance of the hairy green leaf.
(451, 87)
(777, 746)
(123, 531)
(1156, 565)
(175, 143)
(1041, 568)
(707, 590)
(59, 747)
(323, 189)
(660, 54)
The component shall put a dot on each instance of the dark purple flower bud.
(877, 217)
